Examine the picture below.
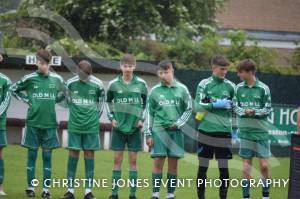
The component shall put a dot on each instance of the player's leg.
(118, 142)
(91, 143)
(224, 174)
(247, 152)
(201, 176)
(263, 153)
(49, 141)
(30, 140)
(223, 154)
(205, 153)
(74, 147)
(89, 172)
(3, 143)
(158, 164)
(133, 172)
(134, 145)
(172, 176)
(247, 165)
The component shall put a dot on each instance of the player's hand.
(250, 112)
(1, 58)
(140, 124)
(114, 123)
(149, 142)
(172, 127)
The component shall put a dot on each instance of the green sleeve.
(149, 117)
(18, 90)
(101, 97)
(62, 92)
(200, 95)
(235, 101)
(109, 103)
(187, 99)
(7, 96)
(144, 100)
(266, 101)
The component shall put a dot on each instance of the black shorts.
(217, 143)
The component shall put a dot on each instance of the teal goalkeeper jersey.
(257, 97)
(167, 106)
(126, 103)
(85, 102)
(5, 96)
(215, 120)
(41, 92)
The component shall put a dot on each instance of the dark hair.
(247, 65)
(85, 67)
(43, 55)
(165, 65)
(128, 59)
(219, 60)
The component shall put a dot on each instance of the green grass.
(15, 176)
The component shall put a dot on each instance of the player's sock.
(71, 190)
(89, 171)
(31, 159)
(265, 189)
(156, 181)
(116, 175)
(224, 174)
(170, 195)
(71, 173)
(201, 177)
(45, 190)
(246, 188)
(171, 183)
(133, 178)
(47, 167)
(1, 171)
(87, 190)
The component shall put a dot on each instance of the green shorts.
(119, 141)
(167, 144)
(35, 137)
(83, 141)
(3, 139)
(254, 148)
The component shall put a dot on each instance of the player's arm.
(101, 99)
(266, 101)
(238, 110)
(144, 100)
(7, 96)
(149, 117)
(109, 104)
(200, 103)
(187, 112)
(298, 118)
(18, 89)
(62, 92)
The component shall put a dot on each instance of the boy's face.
(127, 68)
(220, 71)
(43, 66)
(244, 75)
(83, 76)
(166, 75)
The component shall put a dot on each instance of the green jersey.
(126, 103)
(209, 90)
(168, 105)
(85, 101)
(258, 98)
(41, 92)
(5, 96)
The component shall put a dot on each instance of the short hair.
(247, 65)
(128, 59)
(43, 55)
(85, 66)
(219, 60)
(165, 65)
